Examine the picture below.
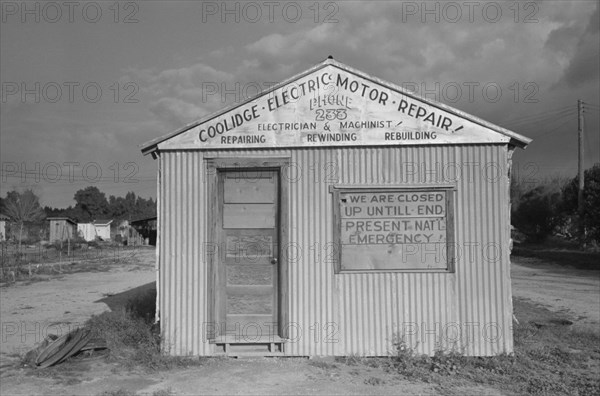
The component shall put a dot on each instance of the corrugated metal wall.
(432, 310)
(182, 269)
(344, 314)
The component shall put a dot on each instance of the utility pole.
(580, 168)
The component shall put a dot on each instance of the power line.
(543, 123)
(541, 118)
(533, 129)
(523, 118)
(555, 129)
(540, 114)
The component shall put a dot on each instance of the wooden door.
(248, 268)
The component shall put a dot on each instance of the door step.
(261, 346)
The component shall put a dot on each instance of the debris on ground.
(54, 350)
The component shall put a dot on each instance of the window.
(394, 229)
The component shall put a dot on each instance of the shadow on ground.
(124, 299)
(568, 258)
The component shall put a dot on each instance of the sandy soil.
(30, 310)
(573, 292)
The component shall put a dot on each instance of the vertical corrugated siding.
(182, 269)
(352, 313)
(379, 308)
(311, 230)
(428, 308)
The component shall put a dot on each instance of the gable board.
(332, 107)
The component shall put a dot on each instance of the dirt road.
(31, 310)
(573, 292)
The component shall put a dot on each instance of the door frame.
(212, 247)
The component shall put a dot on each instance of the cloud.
(564, 39)
(175, 112)
(272, 44)
(584, 65)
(178, 96)
(376, 39)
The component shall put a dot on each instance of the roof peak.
(281, 94)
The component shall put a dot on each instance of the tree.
(23, 207)
(122, 208)
(591, 203)
(131, 207)
(537, 213)
(91, 204)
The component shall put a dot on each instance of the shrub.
(537, 214)
(124, 332)
(132, 336)
(591, 203)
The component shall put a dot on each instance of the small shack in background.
(102, 229)
(143, 231)
(98, 229)
(122, 231)
(62, 228)
(3, 220)
(86, 231)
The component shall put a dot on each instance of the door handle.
(273, 260)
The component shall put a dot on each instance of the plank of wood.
(242, 246)
(244, 274)
(52, 348)
(248, 327)
(248, 215)
(249, 191)
(241, 300)
(74, 339)
(85, 338)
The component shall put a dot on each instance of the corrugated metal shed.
(323, 310)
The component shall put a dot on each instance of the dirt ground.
(30, 310)
(573, 292)
(56, 304)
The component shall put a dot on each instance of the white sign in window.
(394, 229)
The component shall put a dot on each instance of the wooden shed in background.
(334, 214)
(62, 229)
(146, 229)
(3, 220)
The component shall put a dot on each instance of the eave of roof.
(102, 222)
(146, 219)
(62, 218)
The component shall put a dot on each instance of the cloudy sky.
(84, 83)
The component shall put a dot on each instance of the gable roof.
(101, 222)
(144, 220)
(67, 219)
(475, 131)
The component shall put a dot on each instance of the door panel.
(249, 300)
(248, 215)
(251, 190)
(253, 275)
(248, 265)
(250, 244)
